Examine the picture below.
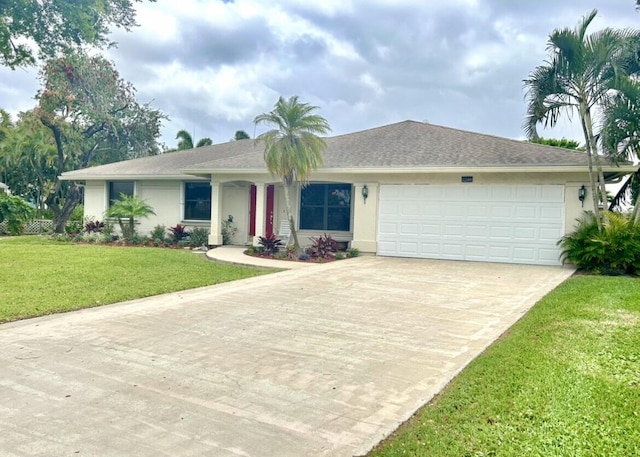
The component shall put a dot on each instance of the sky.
(211, 66)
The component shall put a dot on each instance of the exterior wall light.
(582, 193)
(365, 193)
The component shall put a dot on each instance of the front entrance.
(268, 213)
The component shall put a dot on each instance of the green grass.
(39, 276)
(565, 381)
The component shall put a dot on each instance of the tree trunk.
(61, 214)
(596, 157)
(592, 176)
(292, 222)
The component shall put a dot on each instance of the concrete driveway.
(322, 361)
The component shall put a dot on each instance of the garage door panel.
(431, 230)
(477, 231)
(429, 249)
(409, 209)
(552, 213)
(453, 210)
(552, 194)
(519, 224)
(500, 232)
(453, 230)
(525, 234)
(409, 229)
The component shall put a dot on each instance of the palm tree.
(620, 137)
(129, 208)
(186, 141)
(580, 75)
(292, 148)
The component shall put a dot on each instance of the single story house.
(408, 189)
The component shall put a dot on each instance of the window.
(119, 187)
(325, 207)
(197, 201)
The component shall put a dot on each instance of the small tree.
(127, 210)
(292, 149)
(16, 212)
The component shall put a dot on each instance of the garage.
(490, 223)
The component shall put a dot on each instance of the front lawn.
(39, 276)
(565, 381)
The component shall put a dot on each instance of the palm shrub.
(126, 211)
(614, 249)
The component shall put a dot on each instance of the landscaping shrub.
(199, 237)
(158, 233)
(613, 250)
(353, 252)
(16, 212)
(270, 244)
(229, 230)
(94, 227)
(323, 246)
(178, 233)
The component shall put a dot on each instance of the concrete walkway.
(235, 254)
(321, 361)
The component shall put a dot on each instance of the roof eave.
(121, 177)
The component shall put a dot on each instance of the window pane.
(119, 187)
(325, 207)
(197, 201)
(313, 194)
(338, 219)
(312, 218)
(339, 195)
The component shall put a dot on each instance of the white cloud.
(212, 66)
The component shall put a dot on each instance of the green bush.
(16, 212)
(158, 232)
(613, 250)
(199, 237)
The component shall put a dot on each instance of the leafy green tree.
(93, 118)
(186, 141)
(127, 209)
(292, 148)
(27, 155)
(48, 28)
(579, 76)
(561, 143)
(15, 211)
(241, 135)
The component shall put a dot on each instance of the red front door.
(269, 213)
(252, 210)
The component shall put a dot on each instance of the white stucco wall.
(235, 202)
(167, 199)
(95, 200)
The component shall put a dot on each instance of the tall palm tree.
(620, 137)
(186, 141)
(292, 148)
(580, 75)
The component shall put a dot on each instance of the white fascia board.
(90, 177)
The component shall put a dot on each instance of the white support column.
(261, 207)
(215, 234)
(365, 218)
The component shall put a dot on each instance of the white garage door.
(514, 224)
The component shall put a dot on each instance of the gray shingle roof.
(407, 144)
